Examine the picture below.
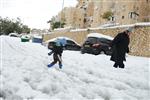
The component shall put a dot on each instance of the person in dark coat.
(57, 51)
(120, 48)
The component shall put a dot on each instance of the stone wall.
(139, 40)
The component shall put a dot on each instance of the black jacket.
(120, 47)
(57, 49)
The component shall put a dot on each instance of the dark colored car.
(96, 45)
(70, 45)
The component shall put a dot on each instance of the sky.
(24, 75)
(34, 13)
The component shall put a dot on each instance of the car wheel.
(102, 52)
(96, 52)
(82, 52)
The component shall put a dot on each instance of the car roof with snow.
(66, 38)
(37, 36)
(16, 34)
(99, 35)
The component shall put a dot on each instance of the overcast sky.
(34, 13)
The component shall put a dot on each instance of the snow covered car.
(96, 43)
(25, 38)
(14, 35)
(69, 45)
(37, 39)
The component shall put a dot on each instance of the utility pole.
(61, 12)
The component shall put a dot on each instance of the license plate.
(50, 46)
(86, 46)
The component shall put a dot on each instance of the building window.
(122, 17)
(84, 8)
(133, 15)
(112, 18)
(84, 20)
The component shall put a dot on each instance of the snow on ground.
(24, 75)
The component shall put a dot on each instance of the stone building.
(73, 17)
(89, 13)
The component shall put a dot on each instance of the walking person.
(57, 51)
(120, 48)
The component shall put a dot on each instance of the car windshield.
(104, 40)
(92, 39)
(98, 40)
(70, 42)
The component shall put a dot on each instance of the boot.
(121, 66)
(50, 65)
(60, 66)
(115, 65)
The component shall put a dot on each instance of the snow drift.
(24, 75)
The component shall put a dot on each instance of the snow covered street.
(24, 75)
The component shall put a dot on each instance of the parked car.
(14, 35)
(96, 43)
(37, 39)
(70, 44)
(25, 38)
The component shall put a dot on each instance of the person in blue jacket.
(57, 51)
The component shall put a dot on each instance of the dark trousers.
(119, 64)
(57, 58)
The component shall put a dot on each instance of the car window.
(51, 43)
(70, 42)
(104, 40)
(92, 39)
